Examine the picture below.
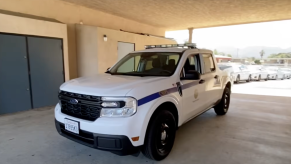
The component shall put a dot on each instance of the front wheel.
(249, 79)
(222, 107)
(160, 135)
(237, 79)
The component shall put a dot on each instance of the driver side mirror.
(191, 75)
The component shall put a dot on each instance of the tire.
(237, 79)
(267, 78)
(249, 79)
(222, 107)
(160, 136)
(259, 78)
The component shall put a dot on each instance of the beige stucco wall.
(106, 54)
(86, 42)
(27, 26)
(72, 14)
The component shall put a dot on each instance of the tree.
(229, 55)
(253, 58)
(280, 55)
(186, 41)
(215, 52)
(262, 53)
(257, 62)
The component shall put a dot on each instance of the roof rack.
(188, 45)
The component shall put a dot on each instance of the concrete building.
(221, 58)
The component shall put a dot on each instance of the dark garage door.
(46, 70)
(31, 71)
(14, 78)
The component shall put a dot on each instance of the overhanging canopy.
(183, 14)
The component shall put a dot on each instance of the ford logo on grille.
(73, 101)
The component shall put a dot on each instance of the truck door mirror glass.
(191, 75)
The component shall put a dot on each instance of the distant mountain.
(253, 51)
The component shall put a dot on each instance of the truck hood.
(107, 85)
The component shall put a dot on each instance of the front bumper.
(117, 144)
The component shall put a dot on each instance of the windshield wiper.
(127, 74)
(108, 72)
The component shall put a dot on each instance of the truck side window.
(208, 63)
(192, 63)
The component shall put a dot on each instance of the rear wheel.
(259, 78)
(160, 135)
(222, 107)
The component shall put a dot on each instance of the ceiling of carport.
(182, 14)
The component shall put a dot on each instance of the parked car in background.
(240, 72)
(274, 74)
(229, 70)
(245, 74)
(257, 73)
(286, 72)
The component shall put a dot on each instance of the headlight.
(118, 107)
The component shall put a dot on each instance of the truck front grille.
(86, 107)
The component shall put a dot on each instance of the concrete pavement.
(255, 131)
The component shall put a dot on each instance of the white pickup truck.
(140, 102)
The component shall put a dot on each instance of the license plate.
(72, 126)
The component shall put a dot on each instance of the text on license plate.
(72, 126)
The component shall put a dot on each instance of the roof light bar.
(188, 45)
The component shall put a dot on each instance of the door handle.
(201, 81)
(215, 77)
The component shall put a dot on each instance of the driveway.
(256, 130)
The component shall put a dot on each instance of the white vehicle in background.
(240, 73)
(286, 72)
(138, 104)
(274, 74)
(257, 73)
(244, 74)
(229, 70)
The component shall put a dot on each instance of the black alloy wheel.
(160, 135)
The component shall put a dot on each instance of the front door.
(193, 97)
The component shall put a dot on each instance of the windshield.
(223, 67)
(147, 64)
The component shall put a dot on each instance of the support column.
(190, 35)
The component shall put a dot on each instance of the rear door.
(211, 78)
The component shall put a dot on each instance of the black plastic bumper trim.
(117, 144)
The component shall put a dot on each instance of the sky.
(269, 34)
